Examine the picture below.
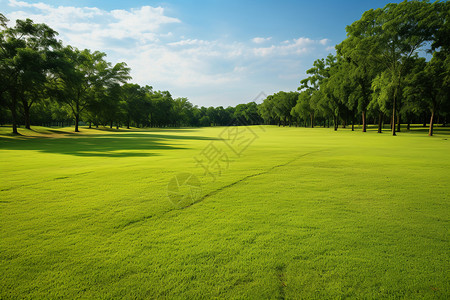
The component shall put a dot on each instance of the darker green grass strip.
(250, 176)
(212, 193)
(281, 270)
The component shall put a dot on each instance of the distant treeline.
(45, 83)
(376, 75)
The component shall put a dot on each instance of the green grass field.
(300, 213)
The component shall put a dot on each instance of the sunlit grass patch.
(301, 213)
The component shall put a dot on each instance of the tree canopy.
(393, 66)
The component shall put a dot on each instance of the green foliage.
(26, 58)
(266, 111)
(302, 109)
(373, 72)
(85, 79)
(374, 61)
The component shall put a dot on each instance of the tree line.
(45, 83)
(394, 67)
(377, 73)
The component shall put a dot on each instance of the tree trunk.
(90, 124)
(14, 117)
(393, 124)
(77, 119)
(335, 119)
(77, 113)
(398, 122)
(380, 121)
(408, 126)
(393, 114)
(111, 125)
(117, 126)
(312, 121)
(353, 122)
(26, 114)
(430, 131)
(364, 120)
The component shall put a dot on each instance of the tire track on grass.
(40, 183)
(212, 193)
(281, 275)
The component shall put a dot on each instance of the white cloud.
(264, 51)
(297, 46)
(324, 41)
(145, 19)
(91, 26)
(260, 40)
(189, 42)
(209, 72)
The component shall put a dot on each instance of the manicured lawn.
(299, 213)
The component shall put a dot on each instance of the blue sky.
(212, 52)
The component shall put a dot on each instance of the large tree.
(360, 69)
(183, 112)
(27, 56)
(82, 75)
(426, 86)
(162, 114)
(267, 112)
(283, 102)
(135, 103)
(303, 109)
(393, 34)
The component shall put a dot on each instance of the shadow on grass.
(134, 129)
(59, 131)
(101, 145)
(415, 129)
(424, 130)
